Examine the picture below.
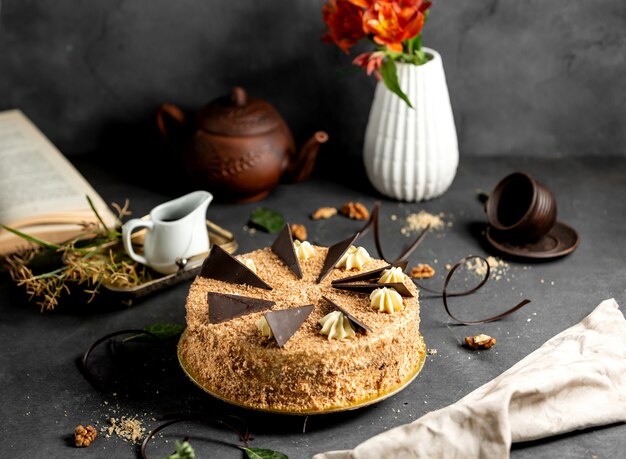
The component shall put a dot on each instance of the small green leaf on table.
(268, 219)
(183, 451)
(258, 453)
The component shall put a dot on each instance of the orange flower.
(362, 3)
(370, 62)
(345, 23)
(392, 22)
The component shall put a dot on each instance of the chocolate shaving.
(375, 274)
(335, 252)
(224, 307)
(360, 326)
(283, 248)
(445, 295)
(370, 287)
(286, 322)
(222, 266)
(408, 251)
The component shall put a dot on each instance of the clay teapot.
(238, 147)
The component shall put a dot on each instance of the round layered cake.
(234, 359)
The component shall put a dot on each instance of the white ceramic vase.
(411, 154)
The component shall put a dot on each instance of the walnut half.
(480, 341)
(355, 210)
(324, 213)
(84, 436)
(422, 271)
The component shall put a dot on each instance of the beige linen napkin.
(575, 380)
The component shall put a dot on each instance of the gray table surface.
(44, 395)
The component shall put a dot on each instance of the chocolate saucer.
(561, 240)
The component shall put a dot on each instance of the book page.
(37, 183)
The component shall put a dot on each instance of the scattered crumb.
(480, 341)
(127, 428)
(249, 229)
(422, 271)
(393, 217)
(497, 267)
(419, 221)
(432, 351)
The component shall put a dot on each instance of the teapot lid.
(238, 115)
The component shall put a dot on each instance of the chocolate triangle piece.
(222, 266)
(375, 274)
(223, 307)
(283, 248)
(369, 288)
(360, 326)
(286, 322)
(335, 252)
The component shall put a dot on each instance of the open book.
(41, 193)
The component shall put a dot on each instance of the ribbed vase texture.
(411, 154)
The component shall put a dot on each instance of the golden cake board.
(305, 411)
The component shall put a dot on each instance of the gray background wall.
(533, 77)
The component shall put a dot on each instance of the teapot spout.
(301, 165)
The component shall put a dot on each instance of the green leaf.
(161, 330)
(390, 76)
(258, 453)
(268, 219)
(183, 451)
(32, 239)
(93, 208)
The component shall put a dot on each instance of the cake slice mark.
(358, 325)
(335, 252)
(222, 266)
(286, 322)
(370, 287)
(283, 248)
(375, 274)
(225, 307)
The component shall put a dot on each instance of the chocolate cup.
(521, 208)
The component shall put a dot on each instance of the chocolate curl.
(244, 436)
(445, 295)
(366, 228)
(374, 219)
(92, 346)
(410, 249)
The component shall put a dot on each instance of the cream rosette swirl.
(386, 300)
(354, 258)
(336, 325)
(264, 328)
(392, 276)
(304, 250)
(249, 263)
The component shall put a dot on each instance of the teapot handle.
(169, 112)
